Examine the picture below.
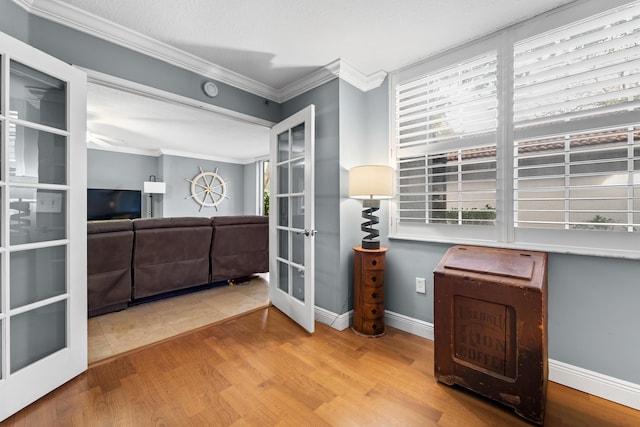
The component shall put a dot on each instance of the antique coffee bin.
(490, 319)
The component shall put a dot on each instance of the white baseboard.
(594, 383)
(604, 386)
(329, 318)
(408, 324)
(597, 384)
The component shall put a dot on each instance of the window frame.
(504, 233)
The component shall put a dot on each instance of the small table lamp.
(371, 184)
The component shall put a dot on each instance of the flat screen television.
(113, 204)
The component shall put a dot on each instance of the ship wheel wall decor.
(208, 189)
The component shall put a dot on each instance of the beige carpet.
(116, 333)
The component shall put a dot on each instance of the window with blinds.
(446, 126)
(576, 121)
(527, 137)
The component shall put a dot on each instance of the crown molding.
(80, 20)
(174, 153)
(232, 160)
(361, 81)
(336, 69)
(124, 150)
(107, 80)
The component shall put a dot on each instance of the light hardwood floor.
(261, 369)
(117, 333)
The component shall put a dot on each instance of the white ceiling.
(272, 44)
(279, 41)
(118, 120)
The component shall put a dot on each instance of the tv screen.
(113, 204)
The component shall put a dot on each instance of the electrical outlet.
(421, 285)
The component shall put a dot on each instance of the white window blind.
(580, 181)
(586, 69)
(576, 120)
(446, 127)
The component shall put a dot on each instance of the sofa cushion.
(170, 254)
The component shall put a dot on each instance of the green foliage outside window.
(473, 216)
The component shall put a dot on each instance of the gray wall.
(356, 149)
(14, 21)
(106, 169)
(250, 189)
(330, 292)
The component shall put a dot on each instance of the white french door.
(43, 273)
(291, 219)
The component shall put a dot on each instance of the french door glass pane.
(283, 179)
(297, 141)
(37, 156)
(37, 97)
(283, 211)
(297, 176)
(283, 244)
(37, 333)
(37, 215)
(297, 212)
(298, 283)
(297, 248)
(283, 277)
(37, 274)
(283, 147)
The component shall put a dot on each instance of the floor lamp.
(152, 187)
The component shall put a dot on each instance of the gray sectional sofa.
(133, 259)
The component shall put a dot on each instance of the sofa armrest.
(239, 247)
(109, 246)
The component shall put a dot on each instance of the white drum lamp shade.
(371, 182)
(154, 187)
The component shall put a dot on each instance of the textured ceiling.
(274, 43)
(279, 41)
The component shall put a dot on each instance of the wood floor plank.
(263, 370)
